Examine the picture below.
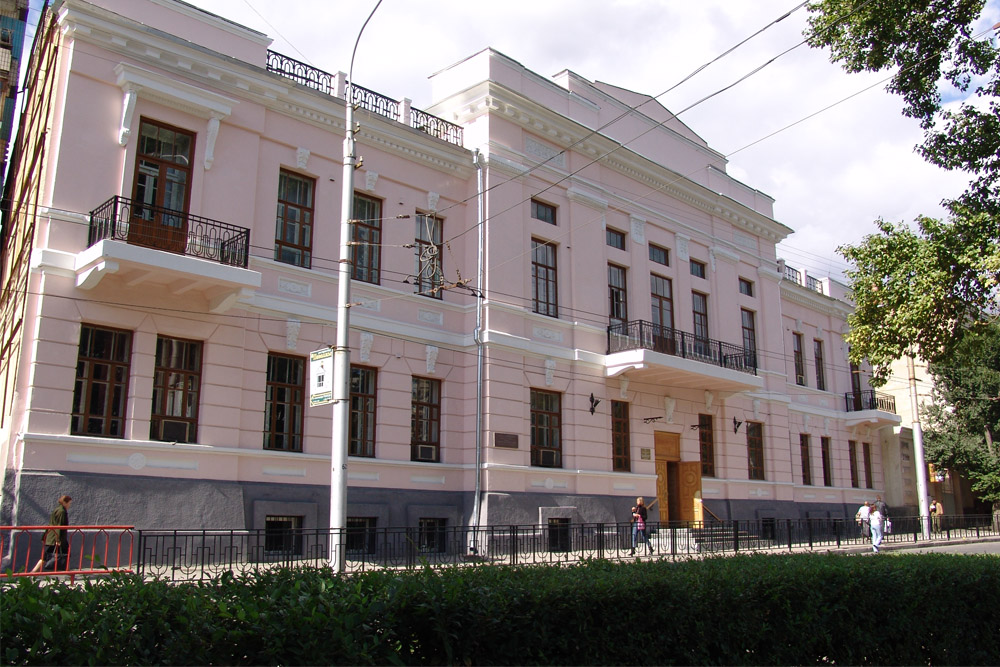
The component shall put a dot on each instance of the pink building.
(613, 323)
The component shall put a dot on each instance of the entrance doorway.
(678, 483)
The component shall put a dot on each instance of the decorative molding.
(432, 200)
(430, 316)
(579, 196)
(547, 334)
(302, 157)
(709, 398)
(669, 405)
(279, 471)
(292, 327)
(289, 286)
(128, 110)
(623, 387)
(551, 156)
(682, 242)
(431, 352)
(745, 240)
(638, 226)
(371, 178)
(550, 369)
(367, 340)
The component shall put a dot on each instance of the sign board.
(321, 377)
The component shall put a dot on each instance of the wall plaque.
(508, 440)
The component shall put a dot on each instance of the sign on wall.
(321, 377)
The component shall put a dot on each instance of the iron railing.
(363, 98)
(814, 284)
(642, 335)
(122, 219)
(793, 274)
(869, 400)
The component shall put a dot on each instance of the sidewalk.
(903, 546)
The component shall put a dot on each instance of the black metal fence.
(639, 334)
(869, 399)
(182, 555)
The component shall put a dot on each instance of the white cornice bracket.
(128, 109)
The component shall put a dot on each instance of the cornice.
(815, 300)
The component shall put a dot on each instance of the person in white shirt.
(875, 519)
(862, 517)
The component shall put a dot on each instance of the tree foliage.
(963, 422)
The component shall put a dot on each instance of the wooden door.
(689, 480)
(668, 452)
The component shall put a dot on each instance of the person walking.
(54, 539)
(876, 520)
(640, 516)
(937, 511)
(862, 517)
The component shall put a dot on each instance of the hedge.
(763, 609)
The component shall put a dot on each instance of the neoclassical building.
(560, 299)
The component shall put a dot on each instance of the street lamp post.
(342, 350)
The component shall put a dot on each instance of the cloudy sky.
(831, 175)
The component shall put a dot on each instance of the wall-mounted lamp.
(736, 425)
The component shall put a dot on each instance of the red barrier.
(88, 550)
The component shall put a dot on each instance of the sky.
(831, 174)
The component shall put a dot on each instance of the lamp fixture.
(736, 425)
(594, 402)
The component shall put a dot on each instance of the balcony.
(872, 407)
(680, 359)
(183, 252)
(334, 85)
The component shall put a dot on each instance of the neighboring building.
(13, 21)
(638, 334)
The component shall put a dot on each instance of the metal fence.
(86, 550)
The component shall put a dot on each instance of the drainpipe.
(478, 336)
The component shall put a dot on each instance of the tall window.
(659, 255)
(546, 429)
(294, 223)
(697, 268)
(820, 370)
(621, 449)
(425, 420)
(749, 337)
(618, 295)
(101, 390)
(176, 390)
(162, 187)
(366, 233)
(824, 443)
(544, 290)
(706, 442)
(806, 463)
(800, 363)
(429, 273)
(661, 295)
(699, 310)
(543, 212)
(852, 452)
(755, 449)
(362, 428)
(856, 386)
(866, 449)
(615, 238)
(284, 402)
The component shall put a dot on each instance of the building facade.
(560, 300)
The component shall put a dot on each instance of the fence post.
(836, 529)
(809, 531)
(600, 540)
(736, 535)
(789, 534)
(513, 545)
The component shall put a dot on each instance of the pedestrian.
(882, 507)
(936, 513)
(55, 540)
(640, 517)
(862, 517)
(876, 520)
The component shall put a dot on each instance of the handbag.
(888, 526)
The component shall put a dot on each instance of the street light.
(342, 350)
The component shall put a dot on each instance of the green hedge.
(795, 609)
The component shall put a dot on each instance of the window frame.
(806, 459)
(621, 437)
(748, 328)
(617, 295)
(428, 255)
(661, 304)
(654, 248)
(819, 359)
(363, 419)
(366, 237)
(294, 426)
(546, 427)
(544, 275)
(798, 357)
(540, 211)
(425, 419)
(432, 535)
(118, 363)
(827, 456)
(363, 530)
(306, 229)
(866, 450)
(755, 451)
(852, 453)
(746, 286)
(706, 444)
(161, 394)
(698, 268)
(614, 238)
(291, 538)
(699, 317)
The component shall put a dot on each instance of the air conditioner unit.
(426, 453)
(172, 430)
(547, 458)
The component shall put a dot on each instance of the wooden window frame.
(189, 377)
(621, 439)
(544, 212)
(706, 445)
(617, 294)
(429, 241)
(544, 278)
(852, 453)
(364, 411)
(755, 451)
(799, 358)
(655, 250)
(110, 372)
(284, 397)
(806, 459)
(746, 287)
(366, 234)
(425, 419)
(546, 428)
(818, 357)
(827, 456)
(299, 249)
(614, 238)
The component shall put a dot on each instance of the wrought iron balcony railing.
(869, 400)
(641, 335)
(363, 98)
(121, 219)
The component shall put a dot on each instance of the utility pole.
(918, 453)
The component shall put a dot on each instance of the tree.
(921, 290)
(963, 421)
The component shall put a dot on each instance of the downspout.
(480, 352)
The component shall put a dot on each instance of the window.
(362, 428)
(866, 449)
(284, 402)
(559, 540)
(749, 337)
(429, 278)
(699, 310)
(697, 268)
(618, 295)
(543, 212)
(433, 535)
(361, 535)
(425, 420)
(282, 535)
(852, 452)
(755, 449)
(546, 424)
(662, 303)
(176, 389)
(746, 287)
(366, 233)
(659, 255)
(621, 448)
(706, 442)
(615, 239)
(824, 443)
(162, 187)
(800, 364)
(806, 463)
(294, 222)
(820, 370)
(101, 391)
(544, 290)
